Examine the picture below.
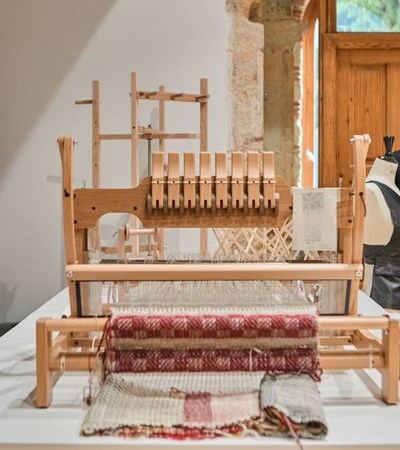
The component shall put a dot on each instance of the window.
(367, 15)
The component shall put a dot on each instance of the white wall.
(50, 52)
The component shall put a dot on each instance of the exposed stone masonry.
(271, 121)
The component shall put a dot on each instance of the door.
(360, 95)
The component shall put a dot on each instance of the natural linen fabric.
(205, 405)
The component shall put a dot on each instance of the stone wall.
(245, 75)
(264, 80)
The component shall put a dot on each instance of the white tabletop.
(357, 418)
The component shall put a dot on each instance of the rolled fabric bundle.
(277, 343)
(272, 360)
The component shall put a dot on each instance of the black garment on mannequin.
(386, 258)
(396, 156)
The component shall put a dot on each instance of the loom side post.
(204, 148)
(390, 374)
(66, 147)
(44, 377)
(360, 150)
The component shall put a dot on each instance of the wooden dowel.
(115, 136)
(74, 363)
(96, 144)
(142, 232)
(162, 135)
(134, 154)
(203, 116)
(353, 323)
(170, 96)
(161, 119)
(83, 102)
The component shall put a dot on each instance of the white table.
(357, 419)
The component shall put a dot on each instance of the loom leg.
(44, 377)
(390, 374)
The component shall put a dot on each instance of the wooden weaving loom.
(140, 133)
(241, 199)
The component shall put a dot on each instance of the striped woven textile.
(279, 343)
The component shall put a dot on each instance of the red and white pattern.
(275, 360)
(207, 326)
(279, 343)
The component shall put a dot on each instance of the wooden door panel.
(361, 88)
(361, 94)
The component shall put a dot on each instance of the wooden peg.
(221, 182)
(84, 102)
(205, 180)
(173, 180)
(202, 97)
(174, 96)
(151, 94)
(269, 179)
(157, 180)
(253, 180)
(189, 181)
(121, 244)
(237, 183)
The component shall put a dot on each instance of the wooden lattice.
(259, 244)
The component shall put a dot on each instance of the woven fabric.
(296, 397)
(209, 326)
(205, 331)
(129, 406)
(274, 360)
(236, 342)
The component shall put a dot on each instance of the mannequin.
(382, 232)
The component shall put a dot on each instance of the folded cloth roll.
(278, 343)
(233, 404)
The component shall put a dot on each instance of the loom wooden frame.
(83, 207)
(137, 133)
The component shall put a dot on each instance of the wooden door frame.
(308, 106)
(330, 44)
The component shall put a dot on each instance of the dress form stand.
(382, 231)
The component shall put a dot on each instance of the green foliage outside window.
(368, 15)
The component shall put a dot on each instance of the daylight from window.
(368, 15)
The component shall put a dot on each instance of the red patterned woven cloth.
(278, 343)
(273, 360)
(207, 326)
